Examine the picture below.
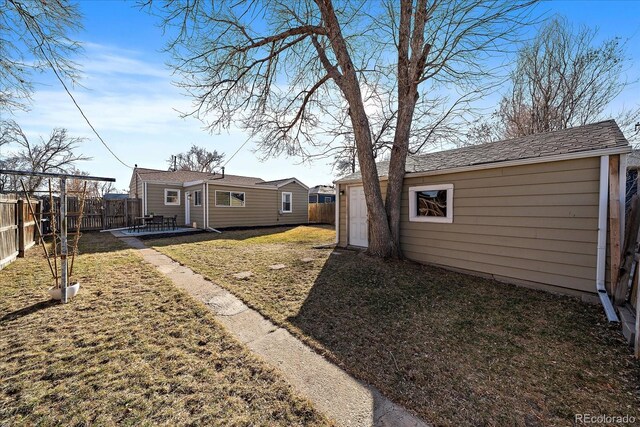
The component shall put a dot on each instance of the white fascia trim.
(294, 180)
(546, 159)
(173, 183)
(192, 183)
(266, 187)
(601, 257)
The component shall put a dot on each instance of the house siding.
(262, 207)
(533, 224)
(155, 201)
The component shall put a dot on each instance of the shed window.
(327, 199)
(286, 203)
(197, 198)
(171, 196)
(431, 203)
(229, 199)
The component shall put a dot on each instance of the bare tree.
(563, 78)
(404, 73)
(76, 186)
(35, 35)
(57, 154)
(197, 159)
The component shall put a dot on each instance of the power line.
(238, 150)
(53, 68)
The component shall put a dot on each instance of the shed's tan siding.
(262, 207)
(534, 224)
(342, 215)
(155, 201)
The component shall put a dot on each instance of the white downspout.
(601, 258)
(206, 204)
(337, 190)
(144, 198)
(204, 207)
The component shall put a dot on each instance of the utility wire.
(70, 95)
(237, 151)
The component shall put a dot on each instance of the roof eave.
(230, 184)
(625, 149)
(293, 180)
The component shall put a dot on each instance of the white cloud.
(130, 100)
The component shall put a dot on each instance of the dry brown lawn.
(130, 349)
(456, 349)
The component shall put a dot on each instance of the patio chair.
(172, 222)
(157, 222)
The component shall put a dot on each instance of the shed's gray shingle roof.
(181, 176)
(596, 136)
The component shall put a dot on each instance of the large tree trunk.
(380, 241)
(410, 66)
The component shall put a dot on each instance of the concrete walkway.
(332, 391)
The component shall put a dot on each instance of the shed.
(530, 211)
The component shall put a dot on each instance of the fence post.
(20, 217)
(104, 214)
(126, 212)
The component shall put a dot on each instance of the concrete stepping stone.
(277, 266)
(243, 275)
(225, 304)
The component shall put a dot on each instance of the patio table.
(139, 222)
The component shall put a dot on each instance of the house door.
(358, 226)
(187, 208)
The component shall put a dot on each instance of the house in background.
(322, 194)
(210, 200)
(531, 210)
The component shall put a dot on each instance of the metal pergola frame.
(64, 250)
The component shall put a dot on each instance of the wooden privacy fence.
(322, 213)
(17, 227)
(99, 213)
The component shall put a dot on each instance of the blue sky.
(128, 95)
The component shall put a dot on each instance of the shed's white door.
(358, 227)
(187, 208)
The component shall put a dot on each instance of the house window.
(171, 196)
(231, 199)
(197, 198)
(286, 203)
(431, 203)
(313, 199)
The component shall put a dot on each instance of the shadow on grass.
(42, 305)
(459, 349)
